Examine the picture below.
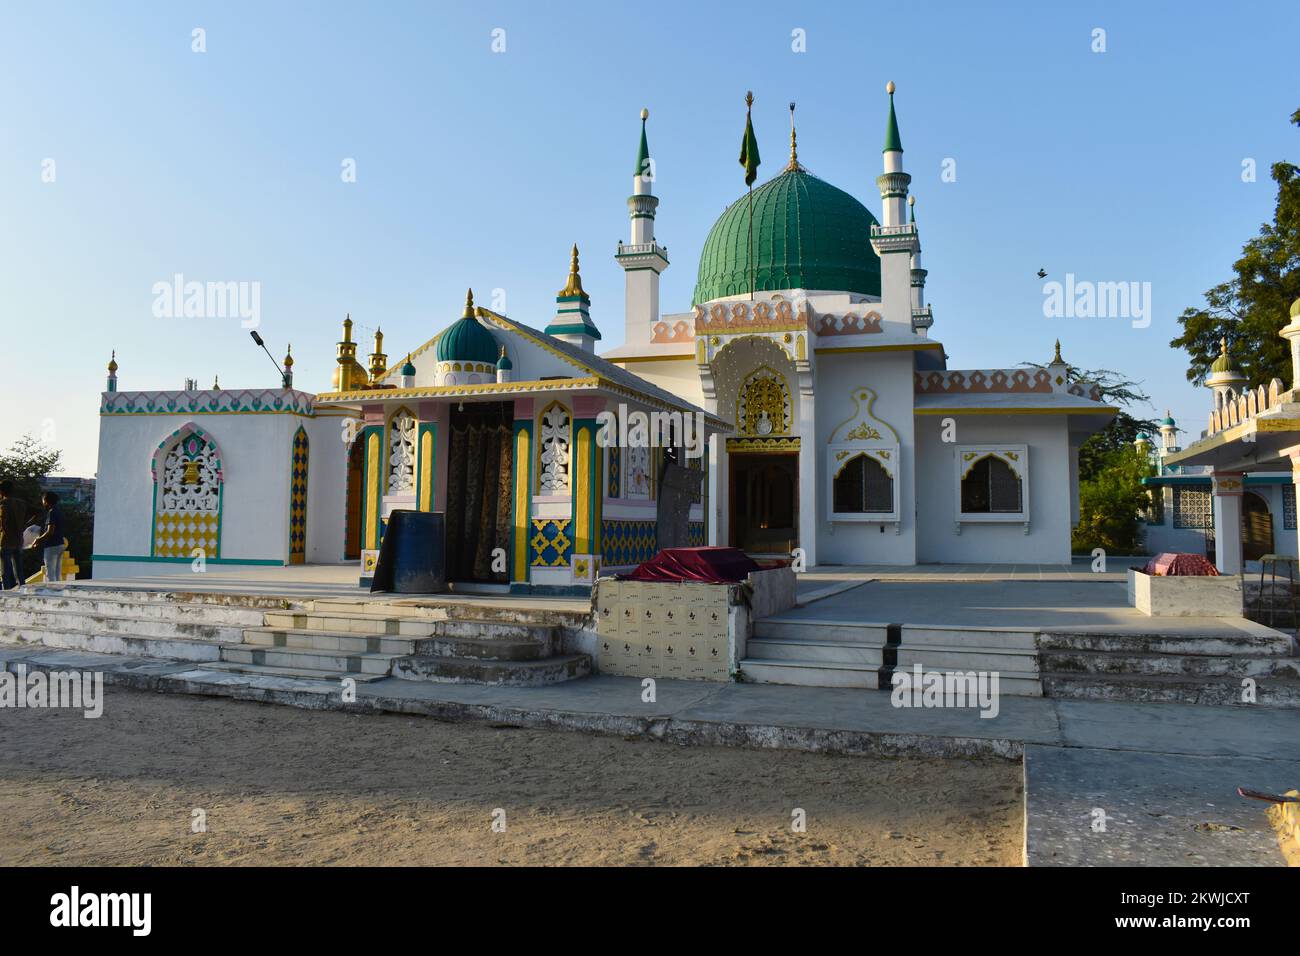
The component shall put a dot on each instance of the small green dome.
(1224, 362)
(504, 363)
(408, 368)
(808, 234)
(1167, 421)
(466, 340)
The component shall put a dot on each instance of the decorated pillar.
(585, 485)
(1227, 487)
(522, 495)
(426, 456)
(372, 481)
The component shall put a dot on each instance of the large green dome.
(807, 235)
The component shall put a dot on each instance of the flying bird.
(1042, 273)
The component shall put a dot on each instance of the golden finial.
(216, 384)
(347, 327)
(1223, 345)
(469, 304)
(749, 99)
(574, 285)
(794, 152)
(889, 87)
(288, 356)
(379, 341)
(645, 114)
(112, 362)
(1056, 359)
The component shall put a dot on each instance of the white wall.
(1048, 541)
(256, 453)
(889, 375)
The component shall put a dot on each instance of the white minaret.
(643, 259)
(922, 318)
(895, 238)
(1224, 380)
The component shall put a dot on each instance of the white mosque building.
(833, 422)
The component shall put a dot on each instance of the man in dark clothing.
(50, 540)
(13, 519)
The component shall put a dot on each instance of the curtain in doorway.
(478, 500)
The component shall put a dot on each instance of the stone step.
(541, 612)
(829, 674)
(186, 628)
(550, 670)
(484, 648)
(970, 638)
(854, 633)
(968, 658)
(131, 645)
(1197, 665)
(209, 599)
(109, 606)
(808, 649)
(306, 658)
(1228, 642)
(342, 641)
(810, 673)
(369, 624)
(1169, 688)
(292, 673)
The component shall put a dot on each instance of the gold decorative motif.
(735, 445)
(763, 405)
(863, 432)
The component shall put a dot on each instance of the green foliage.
(1250, 308)
(1110, 503)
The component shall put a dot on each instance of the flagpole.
(749, 249)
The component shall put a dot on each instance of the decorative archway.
(188, 477)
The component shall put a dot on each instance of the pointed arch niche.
(188, 477)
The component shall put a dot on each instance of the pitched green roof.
(808, 234)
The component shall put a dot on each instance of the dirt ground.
(281, 786)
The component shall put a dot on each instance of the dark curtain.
(478, 501)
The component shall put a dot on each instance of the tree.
(1250, 308)
(1110, 503)
(1111, 493)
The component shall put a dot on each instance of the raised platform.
(1060, 637)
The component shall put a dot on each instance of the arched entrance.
(1256, 527)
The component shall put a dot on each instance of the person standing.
(13, 519)
(51, 537)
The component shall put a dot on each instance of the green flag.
(749, 147)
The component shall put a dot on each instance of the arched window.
(187, 496)
(763, 404)
(553, 450)
(401, 453)
(863, 486)
(991, 487)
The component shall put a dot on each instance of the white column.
(1226, 486)
(809, 493)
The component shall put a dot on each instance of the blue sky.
(480, 169)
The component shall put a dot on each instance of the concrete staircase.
(793, 649)
(789, 649)
(311, 639)
(1163, 667)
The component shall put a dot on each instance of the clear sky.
(481, 168)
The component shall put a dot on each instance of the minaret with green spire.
(894, 240)
(642, 259)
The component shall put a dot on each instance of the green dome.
(807, 235)
(467, 341)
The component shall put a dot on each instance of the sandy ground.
(281, 786)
